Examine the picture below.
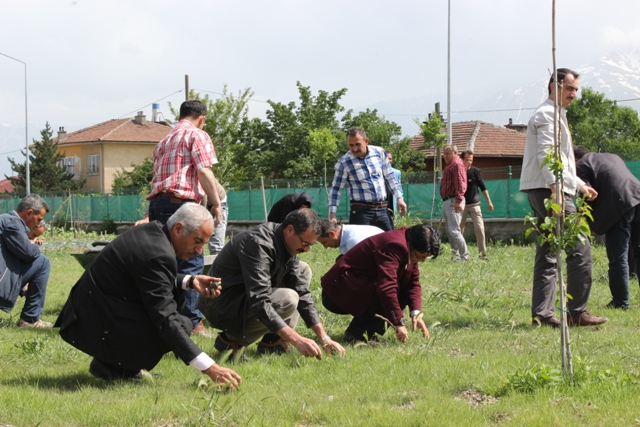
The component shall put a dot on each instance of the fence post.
(264, 197)
(509, 174)
(53, 213)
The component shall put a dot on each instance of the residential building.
(6, 186)
(495, 148)
(96, 153)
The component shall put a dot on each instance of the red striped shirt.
(177, 159)
(454, 180)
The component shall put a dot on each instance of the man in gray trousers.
(540, 184)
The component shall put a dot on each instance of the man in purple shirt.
(452, 188)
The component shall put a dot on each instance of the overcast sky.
(89, 61)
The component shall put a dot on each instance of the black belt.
(173, 197)
(444, 199)
(370, 204)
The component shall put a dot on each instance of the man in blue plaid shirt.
(365, 168)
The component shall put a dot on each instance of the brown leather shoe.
(552, 321)
(586, 319)
(202, 331)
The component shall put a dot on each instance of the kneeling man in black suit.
(124, 310)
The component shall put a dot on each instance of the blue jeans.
(365, 215)
(161, 209)
(216, 242)
(623, 233)
(36, 274)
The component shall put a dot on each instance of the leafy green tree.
(323, 145)
(387, 135)
(434, 137)
(279, 147)
(407, 158)
(226, 122)
(380, 131)
(139, 177)
(45, 170)
(601, 125)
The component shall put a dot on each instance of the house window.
(67, 163)
(92, 164)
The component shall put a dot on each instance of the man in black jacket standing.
(472, 203)
(616, 214)
(124, 310)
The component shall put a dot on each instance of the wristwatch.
(400, 323)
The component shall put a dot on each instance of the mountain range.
(617, 75)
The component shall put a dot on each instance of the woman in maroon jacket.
(379, 277)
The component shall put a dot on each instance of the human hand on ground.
(222, 375)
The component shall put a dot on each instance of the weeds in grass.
(214, 412)
(31, 346)
(7, 322)
(530, 379)
(478, 316)
(539, 376)
(609, 377)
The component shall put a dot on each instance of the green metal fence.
(249, 205)
(246, 201)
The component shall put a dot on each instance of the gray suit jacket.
(618, 190)
(17, 253)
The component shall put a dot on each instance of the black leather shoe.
(98, 370)
(351, 338)
(552, 321)
(618, 306)
(278, 347)
(223, 344)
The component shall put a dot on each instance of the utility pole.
(186, 87)
(438, 153)
(26, 127)
(449, 120)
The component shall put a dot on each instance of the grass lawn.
(484, 364)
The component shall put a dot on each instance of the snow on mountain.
(617, 75)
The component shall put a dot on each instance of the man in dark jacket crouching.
(124, 310)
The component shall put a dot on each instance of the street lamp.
(26, 125)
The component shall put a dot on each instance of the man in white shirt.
(540, 183)
(346, 236)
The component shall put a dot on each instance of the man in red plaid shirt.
(182, 173)
(452, 189)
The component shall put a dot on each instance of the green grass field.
(484, 364)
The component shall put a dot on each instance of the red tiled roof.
(6, 186)
(485, 139)
(119, 130)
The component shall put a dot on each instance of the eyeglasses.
(304, 242)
